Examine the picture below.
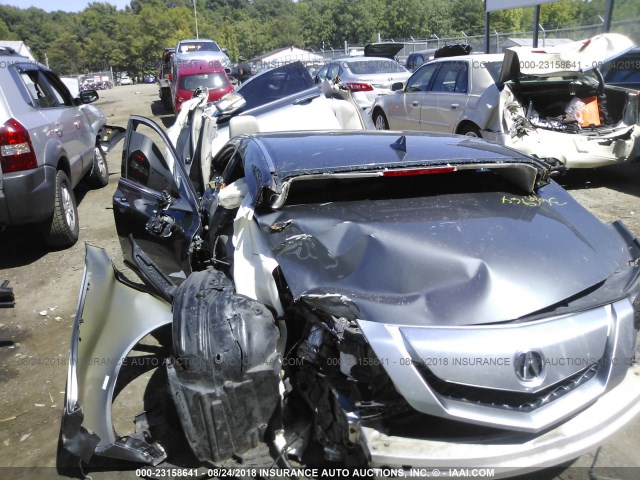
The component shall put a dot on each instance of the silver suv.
(48, 143)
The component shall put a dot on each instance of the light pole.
(195, 16)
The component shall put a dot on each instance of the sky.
(65, 5)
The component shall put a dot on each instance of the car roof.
(361, 58)
(14, 57)
(487, 57)
(296, 153)
(197, 40)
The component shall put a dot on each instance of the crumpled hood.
(444, 260)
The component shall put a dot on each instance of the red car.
(199, 73)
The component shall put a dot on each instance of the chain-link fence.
(498, 41)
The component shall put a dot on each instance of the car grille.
(523, 402)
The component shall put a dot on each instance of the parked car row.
(334, 295)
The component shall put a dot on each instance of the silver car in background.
(48, 143)
(199, 49)
(365, 77)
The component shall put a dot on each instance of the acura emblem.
(529, 365)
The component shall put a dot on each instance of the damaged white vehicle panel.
(281, 99)
(364, 299)
(554, 104)
(549, 102)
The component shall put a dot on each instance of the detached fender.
(111, 318)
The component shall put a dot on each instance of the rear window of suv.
(44, 89)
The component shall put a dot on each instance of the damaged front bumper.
(513, 453)
(111, 318)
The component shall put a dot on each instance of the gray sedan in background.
(365, 77)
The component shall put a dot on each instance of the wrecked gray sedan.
(364, 299)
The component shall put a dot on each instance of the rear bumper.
(27, 197)
(573, 150)
(507, 455)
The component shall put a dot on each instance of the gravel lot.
(33, 370)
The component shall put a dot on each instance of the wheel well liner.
(225, 375)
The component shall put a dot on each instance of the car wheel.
(99, 175)
(62, 229)
(380, 121)
(470, 131)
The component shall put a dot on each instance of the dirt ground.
(34, 336)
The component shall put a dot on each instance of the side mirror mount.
(230, 103)
(88, 96)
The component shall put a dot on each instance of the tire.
(98, 177)
(166, 99)
(62, 229)
(470, 131)
(380, 121)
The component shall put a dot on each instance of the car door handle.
(415, 103)
(454, 106)
(58, 130)
(77, 123)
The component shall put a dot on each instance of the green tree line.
(133, 39)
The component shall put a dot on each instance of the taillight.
(407, 172)
(16, 150)
(359, 87)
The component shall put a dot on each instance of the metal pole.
(487, 23)
(195, 15)
(536, 21)
(608, 16)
